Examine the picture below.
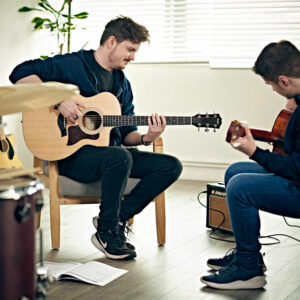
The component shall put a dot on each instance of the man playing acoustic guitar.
(271, 183)
(101, 71)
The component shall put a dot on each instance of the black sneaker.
(219, 263)
(110, 243)
(123, 231)
(235, 277)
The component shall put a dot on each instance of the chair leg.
(54, 206)
(55, 221)
(160, 218)
(130, 221)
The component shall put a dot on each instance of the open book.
(92, 272)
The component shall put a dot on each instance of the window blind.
(179, 29)
(225, 33)
(240, 29)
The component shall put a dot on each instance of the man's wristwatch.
(143, 142)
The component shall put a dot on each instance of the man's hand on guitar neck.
(70, 109)
(156, 126)
(245, 144)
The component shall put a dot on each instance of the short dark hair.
(124, 28)
(282, 58)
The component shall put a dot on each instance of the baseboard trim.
(205, 171)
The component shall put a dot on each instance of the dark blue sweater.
(80, 68)
(287, 166)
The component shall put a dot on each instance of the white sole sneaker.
(95, 222)
(253, 283)
(101, 246)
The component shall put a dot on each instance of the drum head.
(16, 188)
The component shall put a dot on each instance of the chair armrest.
(158, 145)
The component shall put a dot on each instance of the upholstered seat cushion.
(69, 187)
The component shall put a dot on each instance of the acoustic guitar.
(275, 136)
(8, 157)
(49, 137)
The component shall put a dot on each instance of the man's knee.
(173, 166)
(236, 187)
(122, 158)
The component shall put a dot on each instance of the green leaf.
(63, 6)
(66, 16)
(26, 9)
(82, 15)
(38, 26)
(43, 6)
(38, 19)
(44, 56)
(48, 6)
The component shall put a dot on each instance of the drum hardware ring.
(22, 212)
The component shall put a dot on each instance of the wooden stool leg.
(160, 218)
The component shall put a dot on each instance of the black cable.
(217, 227)
(290, 224)
(271, 236)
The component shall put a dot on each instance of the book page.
(56, 269)
(94, 272)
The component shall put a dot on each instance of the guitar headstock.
(207, 120)
(235, 131)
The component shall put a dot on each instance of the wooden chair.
(58, 190)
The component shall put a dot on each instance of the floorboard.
(172, 271)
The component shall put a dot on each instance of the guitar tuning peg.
(214, 129)
(198, 128)
(206, 130)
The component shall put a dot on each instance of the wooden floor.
(169, 272)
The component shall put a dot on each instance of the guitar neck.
(118, 121)
(264, 136)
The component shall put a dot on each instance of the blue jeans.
(250, 188)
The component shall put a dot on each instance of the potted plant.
(57, 21)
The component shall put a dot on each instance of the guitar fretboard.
(118, 121)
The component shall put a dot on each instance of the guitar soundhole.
(91, 120)
(3, 146)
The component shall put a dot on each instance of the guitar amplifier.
(217, 213)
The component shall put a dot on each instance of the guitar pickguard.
(75, 134)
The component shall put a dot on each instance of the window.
(225, 33)
(241, 28)
(179, 29)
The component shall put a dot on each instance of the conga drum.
(20, 197)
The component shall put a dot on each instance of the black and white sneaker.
(234, 277)
(109, 242)
(123, 231)
(219, 263)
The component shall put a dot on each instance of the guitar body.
(276, 136)
(49, 138)
(8, 158)
(279, 128)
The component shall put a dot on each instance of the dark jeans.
(250, 188)
(113, 166)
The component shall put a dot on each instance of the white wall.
(185, 89)
(19, 43)
(169, 89)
